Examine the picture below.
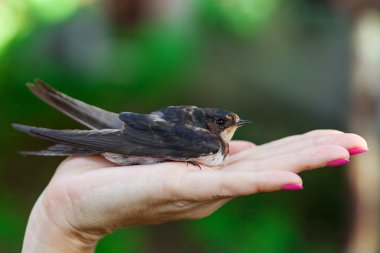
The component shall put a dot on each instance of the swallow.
(176, 133)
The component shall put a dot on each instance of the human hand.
(89, 197)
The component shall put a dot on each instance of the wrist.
(43, 234)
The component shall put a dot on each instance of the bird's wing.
(153, 135)
(139, 139)
(88, 115)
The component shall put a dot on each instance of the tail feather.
(88, 115)
(55, 150)
(105, 140)
(61, 150)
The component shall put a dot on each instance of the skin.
(89, 197)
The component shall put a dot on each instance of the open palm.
(89, 197)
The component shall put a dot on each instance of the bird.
(183, 133)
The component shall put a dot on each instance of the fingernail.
(338, 162)
(291, 187)
(355, 151)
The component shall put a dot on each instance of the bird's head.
(223, 123)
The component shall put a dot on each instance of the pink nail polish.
(338, 162)
(291, 187)
(355, 151)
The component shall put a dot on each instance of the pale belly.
(210, 160)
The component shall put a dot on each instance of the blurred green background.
(285, 65)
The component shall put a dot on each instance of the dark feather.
(88, 115)
(183, 114)
(61, 150)
(141, 136)
(154, 132)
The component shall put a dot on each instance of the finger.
(347, 141)
(297, 138)
(221, 184)
(238, 146)
(284, 143)
(307, 159)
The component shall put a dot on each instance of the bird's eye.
(220, 122)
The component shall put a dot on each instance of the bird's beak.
(242, 122)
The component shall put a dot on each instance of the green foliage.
(53, 11)
(242, 17)
(279, 77)
(12, 225)
(124, 240)
(22, 16)
(250, 225)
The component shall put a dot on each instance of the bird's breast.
(228, 133)
(211, 160)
